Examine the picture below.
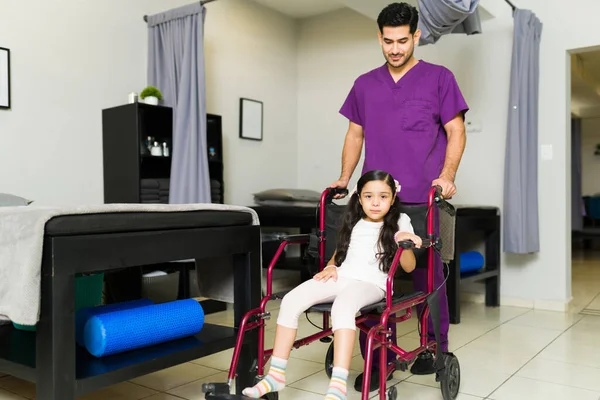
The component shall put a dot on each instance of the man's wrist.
(447, 175)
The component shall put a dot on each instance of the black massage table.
(107, 242)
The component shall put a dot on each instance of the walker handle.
(409, 244)
(336, 191)
(442, 203)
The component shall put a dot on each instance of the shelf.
(17, 355)
(151, 157)
(478, 275)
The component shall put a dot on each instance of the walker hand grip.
(443, 204)
(336, 191)
(409, 244)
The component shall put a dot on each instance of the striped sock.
(273, 382)
(337, 385)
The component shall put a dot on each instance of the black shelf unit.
(127, 162)
(485, 222)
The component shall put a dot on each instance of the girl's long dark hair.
(387, 245)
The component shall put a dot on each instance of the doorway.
(585, 181)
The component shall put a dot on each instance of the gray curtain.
(441, 17)
(576, 195)
(176, 67)
(521, 220)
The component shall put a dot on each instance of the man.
(410, 114)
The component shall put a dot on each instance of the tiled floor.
(505, 353)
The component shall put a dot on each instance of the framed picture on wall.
(251, 119)
(4, 78)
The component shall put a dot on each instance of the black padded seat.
(84, 224)
(378, 307)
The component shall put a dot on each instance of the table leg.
(55, 337)
(247, 292)
(492, 257)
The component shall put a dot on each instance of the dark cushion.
(66, 225)
(476, 211)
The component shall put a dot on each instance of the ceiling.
(299, 9)
(585, 84)
(302, 8)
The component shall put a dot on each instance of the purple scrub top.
(403, 123)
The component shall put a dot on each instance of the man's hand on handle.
(341, 184)
(447, 185)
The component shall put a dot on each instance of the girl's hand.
(328, 272)
(403, 236)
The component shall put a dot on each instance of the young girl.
(354, 278)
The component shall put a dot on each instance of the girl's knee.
(289, 312)
(343, 318)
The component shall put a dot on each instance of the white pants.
(348, 297)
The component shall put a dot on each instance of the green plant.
(151, 91)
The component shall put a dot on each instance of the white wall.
(251, 52)
(336, 48)
(70, 59)
(590, 163)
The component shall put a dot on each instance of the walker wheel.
(392, 393)
(329, 361)
(449, 377)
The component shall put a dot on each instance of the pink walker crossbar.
(385, 312)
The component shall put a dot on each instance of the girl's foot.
(273, 382)
(337, 385)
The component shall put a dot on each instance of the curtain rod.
(511, 4)
(203, 2)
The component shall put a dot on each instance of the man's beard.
(401, 63)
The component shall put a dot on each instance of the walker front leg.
(382, 367)
(368, 363)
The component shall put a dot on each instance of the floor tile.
(4, 395)
(562, 373)
(121, 391)
(175, 376)
(193, 390)
(485, 358)
(518, 388)
(412, 391)
(18, 386)
(566, 349)
(546, 320)
(161, 396)
(475, 380)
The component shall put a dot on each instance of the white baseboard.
(546, 305)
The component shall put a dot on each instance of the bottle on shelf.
(212, 154)
(156, 150)
(149, 142)
(165, 149)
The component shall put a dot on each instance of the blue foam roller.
(471, 261)
(83, 315)
(119, 331)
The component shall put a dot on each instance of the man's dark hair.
(398, 14)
